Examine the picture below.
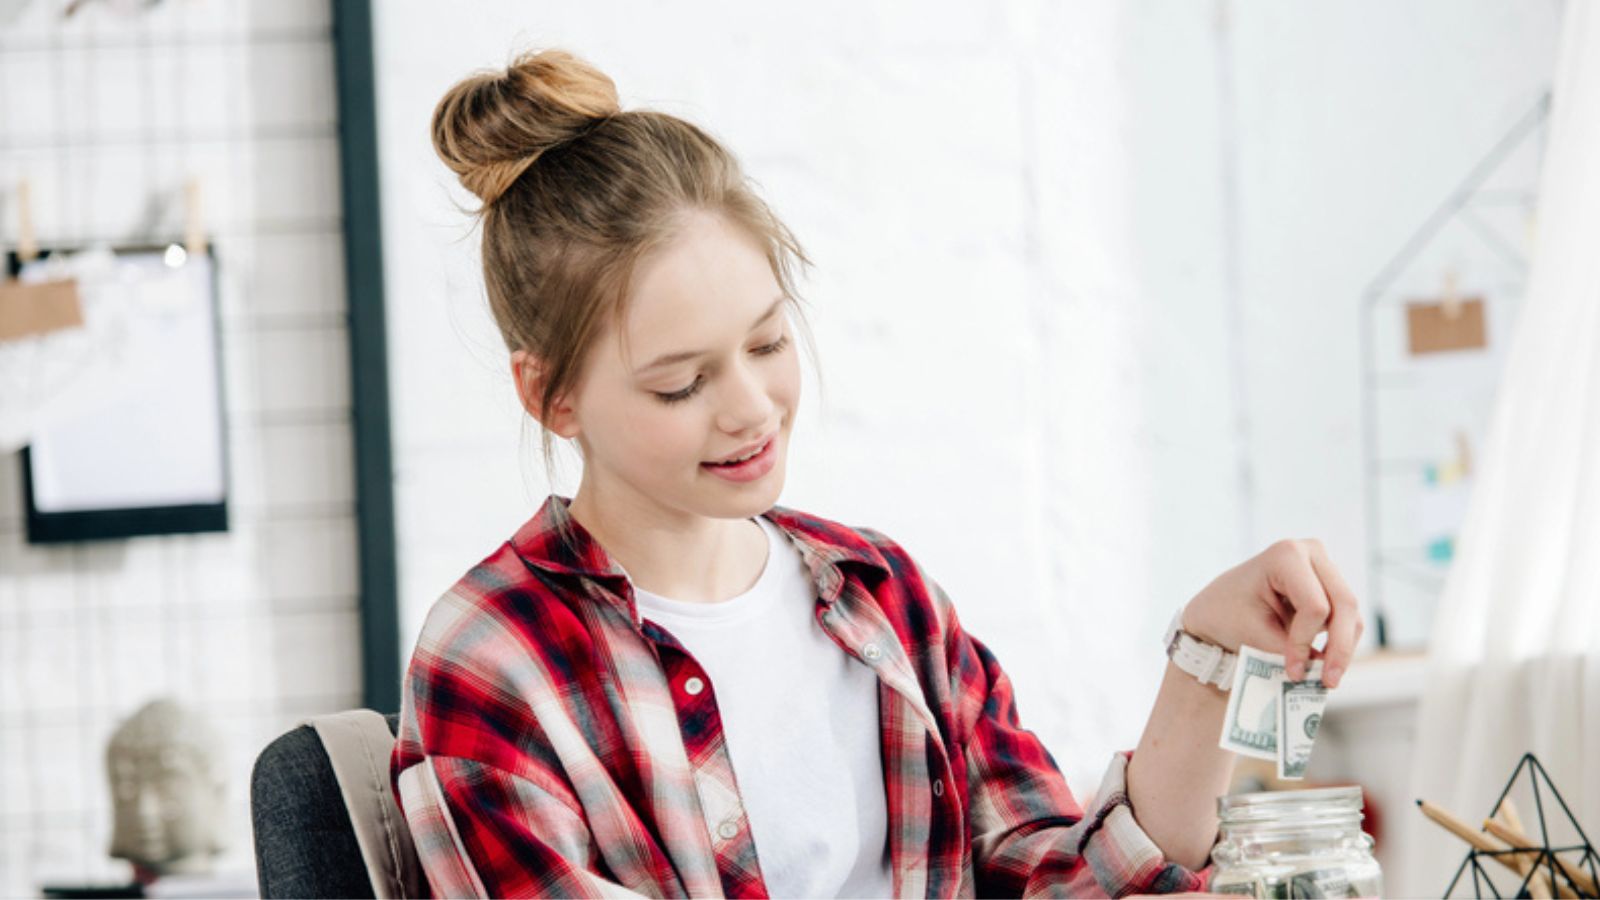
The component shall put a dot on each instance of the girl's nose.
(745, 404)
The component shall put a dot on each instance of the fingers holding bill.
(1291, 574)
(1344, 623)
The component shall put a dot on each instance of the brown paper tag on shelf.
(1446, 325)
(38, 307)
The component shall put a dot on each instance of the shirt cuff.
(1123, 858)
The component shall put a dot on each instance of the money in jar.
(1294, 844)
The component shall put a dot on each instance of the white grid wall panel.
(107, 115)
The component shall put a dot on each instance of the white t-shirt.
(800, 717)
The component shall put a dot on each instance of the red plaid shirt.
(547, 745)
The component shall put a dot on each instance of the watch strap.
(1207, 662)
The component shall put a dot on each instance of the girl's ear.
(527, 373)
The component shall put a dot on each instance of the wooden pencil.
(1538, 885)
(1507, 813)
(1517, 839)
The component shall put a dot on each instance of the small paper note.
(29, 308)
(1438, 327)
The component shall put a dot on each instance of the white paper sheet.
(144, 427)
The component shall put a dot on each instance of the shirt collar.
(826, 546)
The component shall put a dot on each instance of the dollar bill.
(1316, 883)
(1247, 888)
(1322, 883)
(1299, 716)
(1251, 724)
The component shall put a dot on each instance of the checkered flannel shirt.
(548, 747)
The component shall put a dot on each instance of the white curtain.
(1515, 653)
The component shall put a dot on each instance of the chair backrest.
(325, 821)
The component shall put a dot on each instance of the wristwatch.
(1204, 660)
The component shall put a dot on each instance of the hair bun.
(491, 126)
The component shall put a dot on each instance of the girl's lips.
(749, 470)
(763, 445)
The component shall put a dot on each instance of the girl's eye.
(773, 347)
(680, 396)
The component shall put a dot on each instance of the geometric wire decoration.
(1422, 412)
(1575, 874)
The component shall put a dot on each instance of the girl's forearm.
(1178, 771)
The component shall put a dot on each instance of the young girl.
(668, 685)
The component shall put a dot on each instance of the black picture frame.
(59, 527)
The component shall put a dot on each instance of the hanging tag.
(1432, 329)
(29, 308)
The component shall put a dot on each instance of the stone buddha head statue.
(165, 769)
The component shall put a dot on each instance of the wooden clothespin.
(27, 241)
(194, 233)
(1450, 296)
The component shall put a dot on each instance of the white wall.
(1355, 121)
(1086, 291)
(107, 115)
(993, 215)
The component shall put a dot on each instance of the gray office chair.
(325, 820)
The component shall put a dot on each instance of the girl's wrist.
(1199, 626)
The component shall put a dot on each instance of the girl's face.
(710, 369)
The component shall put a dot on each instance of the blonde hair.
(576, 191)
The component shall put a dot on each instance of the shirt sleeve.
(1029, 837)
(481, 831)
(489, 807)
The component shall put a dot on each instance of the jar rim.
(1266, 801)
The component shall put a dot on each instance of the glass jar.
(1294, 844)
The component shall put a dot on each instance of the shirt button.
(693, 686)
(728, 830)
(938, 787)
(872, 651)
